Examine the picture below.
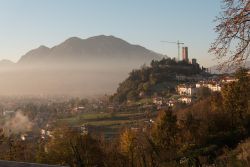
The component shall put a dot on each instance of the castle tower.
(185, 54)
(194, 61)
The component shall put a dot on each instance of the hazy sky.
(27, 24)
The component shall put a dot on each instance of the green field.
(106, 123)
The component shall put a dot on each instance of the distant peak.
(103, 37)
(93, 48)
(6, 62)
(43, 47)
(73, 39)
(98, 37)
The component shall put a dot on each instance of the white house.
(228, 80)
(213, 86)
(186, 90)
(186, 100)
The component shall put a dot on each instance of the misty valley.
(75, 67)
(166, 107)
(165, 84)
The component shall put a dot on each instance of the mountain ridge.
(6, 62)
(74, 67)
(97, 47)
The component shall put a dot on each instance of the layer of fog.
(73, 79)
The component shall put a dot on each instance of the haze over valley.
(76, 67)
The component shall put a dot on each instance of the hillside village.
(188, 92)
(169, 83)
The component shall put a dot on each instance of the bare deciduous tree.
(232, 46)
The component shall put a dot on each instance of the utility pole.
(178, 46)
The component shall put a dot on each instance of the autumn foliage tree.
(165, 135)
(69, 147)
(138, 148)
(232, 46)
(236, 98)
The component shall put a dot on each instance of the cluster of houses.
(47, 133)
(160, 101)
(188, 92)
